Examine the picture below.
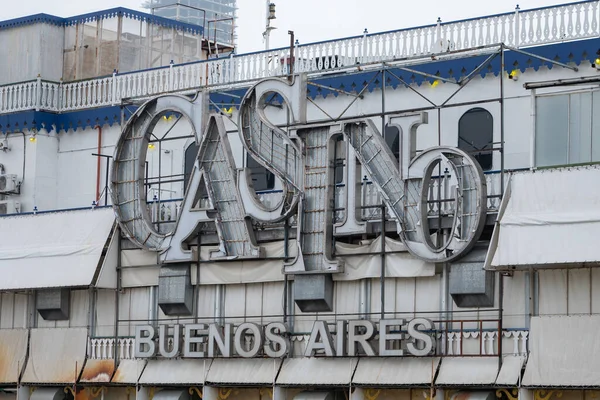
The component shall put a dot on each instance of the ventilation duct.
(175, 289)
(314, 293)
(471, 285)
(53, 304)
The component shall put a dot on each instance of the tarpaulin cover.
(56, 355)
(61, 249)
(398, 265)
(312, 371)
(395, 371)
(563, 351)
(548, 218)
(13, 350)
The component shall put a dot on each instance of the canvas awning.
(13, 351)
(97, 371)
(467, 371)
(313, 371)
(56, 355)
(547, 218)
(129, 372)
(510, 372)
(244, 372)
(563, 352)
(395, 371)
(62, 249)
(175, 372)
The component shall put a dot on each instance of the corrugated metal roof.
(175, 372)
(129, 371)
(13, 350)
(468, 371)
(316, 371)
(510, 372)
(397, 371)
(56, 355)
(98, 371)
(252, 371)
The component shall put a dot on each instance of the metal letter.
(385, 336)
(240, 338)
(279, 345)
(340, 338)
(142, 340)
(416, 335)
(362, 338)
(320, 339)
(163, 341)
(221, 336)
(191, 340)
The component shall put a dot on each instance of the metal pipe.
(291, 33)
(118, 291)
(98, 164)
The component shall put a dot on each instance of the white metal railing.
(105, 348)
(517, 29)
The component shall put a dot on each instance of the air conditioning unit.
(9, 207)
(9, 184)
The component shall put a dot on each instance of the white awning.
(313, 371)
(48, 393)
(140, 268)
(129, 371)
(97, 371)
(13, 350)
(62, 249)
(547, 218)
(255, 371)
(175, 372)
(467, 371)
(56, 355)
(510, 372)
(563, 351)
(395, 371)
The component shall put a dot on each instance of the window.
(476, 136)
(566, 130)
(190, 158)
(262, 179)
(392, 139)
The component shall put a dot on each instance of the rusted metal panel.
(13, 351)
(55, 355)
(129, 371)
(98, 371)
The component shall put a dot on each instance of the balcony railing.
(164, 212)
(517, 29)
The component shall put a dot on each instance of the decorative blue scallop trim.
(62, 122)
(95, 16)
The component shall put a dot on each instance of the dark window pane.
(190, 157)
(476, 136)
(262, 179)
(392, 139)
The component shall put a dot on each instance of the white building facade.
(395, 215)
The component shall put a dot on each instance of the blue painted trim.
(62, 122)
(99, 15)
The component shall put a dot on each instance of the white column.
(279, 393)
(23, 393)
(358, 394)
(142, 393)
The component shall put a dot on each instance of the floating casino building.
(399, 215)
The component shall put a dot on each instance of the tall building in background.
(216, 16)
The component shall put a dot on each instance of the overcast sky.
(311, 20)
